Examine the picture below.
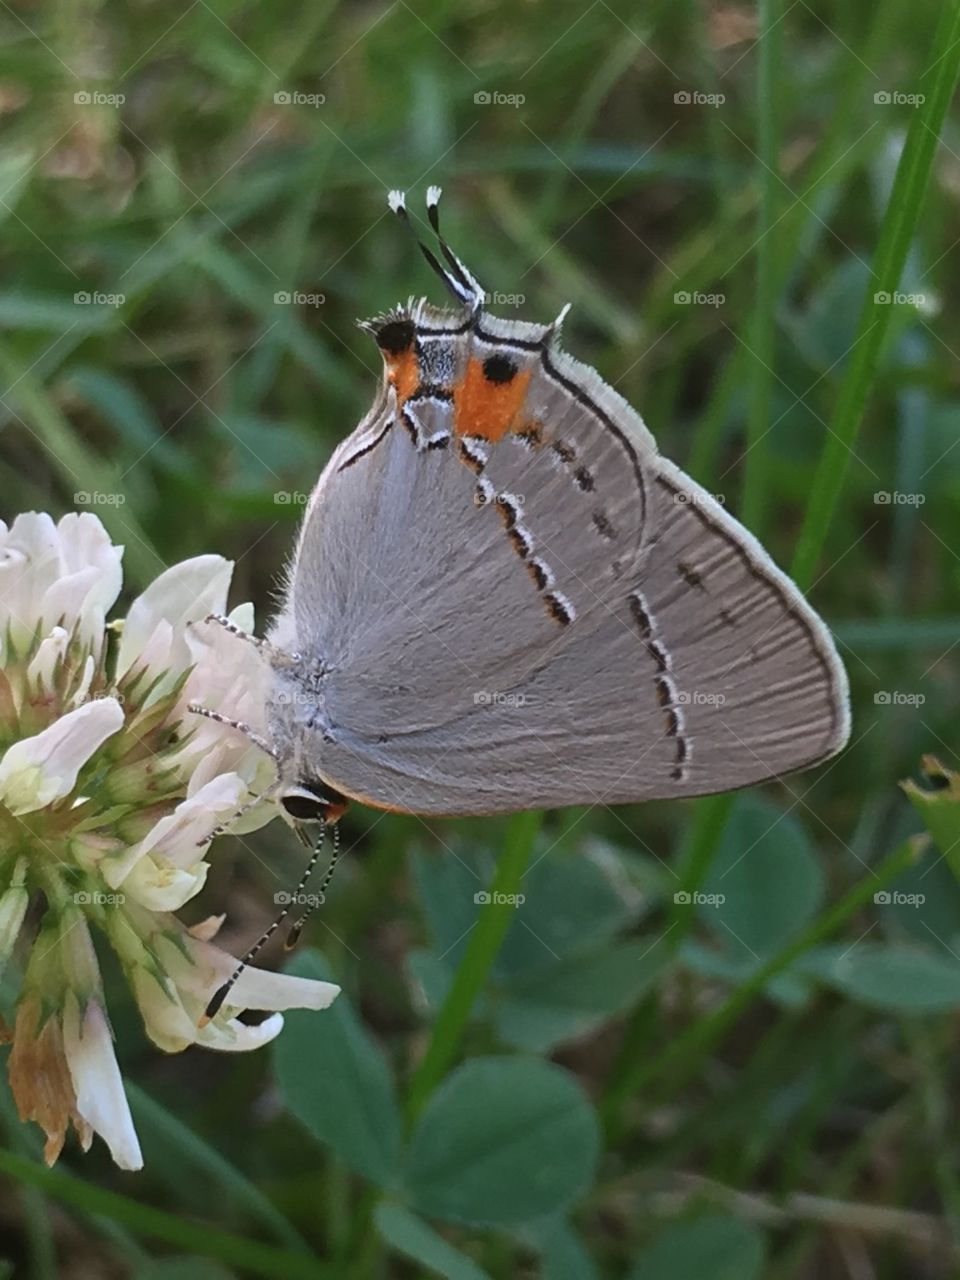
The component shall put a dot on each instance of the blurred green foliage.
(182, 270)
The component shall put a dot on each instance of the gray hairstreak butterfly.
(502, 597)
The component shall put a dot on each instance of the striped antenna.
(457, 279)
(296, 929)
(465, 276)
(220, 995)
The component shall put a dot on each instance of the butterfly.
(502, 597)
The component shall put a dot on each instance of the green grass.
(770, 1080)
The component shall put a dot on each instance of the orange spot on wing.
(484, 408)
(403, 373)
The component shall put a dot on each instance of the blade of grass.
(41, 1241)
(693, 864)
(194, 1150)
(756, 480)
(199, 1237)
(914, 405)
(703, 462)
(478, 958)
(39, 1235)
(899, 225)
(871, 636)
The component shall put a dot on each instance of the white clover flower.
(110, 791)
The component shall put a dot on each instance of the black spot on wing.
(499, 368)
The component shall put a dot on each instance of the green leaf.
(924, 902)
(765, 878)
(337, 1083)
(416, 1239)
(894, 978)
(576, 996)
(432, 976)
(824, 330)
(445, 887)
(503, 1140)
(570, 901)
(563, 1254)
(713, 1245)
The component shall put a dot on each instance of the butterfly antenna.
(276, 657)
(220, 995)
(456, 282)
(244, 809)
(460, 270)
(241, 726)
(293, 937)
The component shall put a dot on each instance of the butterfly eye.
(304, 805)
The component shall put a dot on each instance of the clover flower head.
(110, 792)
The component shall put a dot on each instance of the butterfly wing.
(556, 616)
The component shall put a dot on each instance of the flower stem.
(484, 943)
